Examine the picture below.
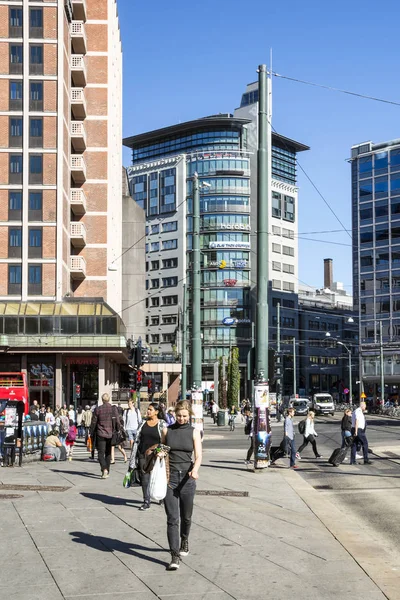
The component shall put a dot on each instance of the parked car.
(300, 407)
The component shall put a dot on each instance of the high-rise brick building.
(61, 195)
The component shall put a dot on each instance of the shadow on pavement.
(105, 544)
(83, 473)
(219, 467)
(113, 500)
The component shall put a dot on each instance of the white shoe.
(298, 456)
(359, 456)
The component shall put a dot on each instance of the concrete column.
(102, 376)
(58, 381)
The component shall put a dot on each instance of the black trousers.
(362, 439)
(145, 477)
(104, 450)
(179, 508)
(250, 450)
(309, 440)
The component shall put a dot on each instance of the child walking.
(71, 437)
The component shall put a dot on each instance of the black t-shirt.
(148, 437)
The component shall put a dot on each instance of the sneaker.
(145, 507)
(174, 564)
(319, 456)
(104, 474)
(367, 462)
(295, 467)
(359, 456)
(298, 456)
(69, 458)
(184, 549)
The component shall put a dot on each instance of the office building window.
(14, 279)
(16, 58)
(15, 175)
(16, 20)
(170, 263)
(168, 338)
(36, 59)
(15, 130)
(170, 226)
(276, 284)
(170, 281)
(155, 247)
(289, 209)
(169, 319)
(155, 265)
(35, 243)
(15, 102)
(170, 245)
(288, 268)
(170, 300)
(35, 132)
(14, 242)
(35, 280)
(155, 228)
(36, 168)
(288, 286)
(287, 250)
(155, 283)
(155, 320)
(36, 95)
(36, 23)
(276, 248)
(155, 338)
(14, 205)
(155, 302)
(276, 205)
(35, 206)
(167, 190)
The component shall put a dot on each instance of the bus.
(13, 386)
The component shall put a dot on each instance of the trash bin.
(221, 418)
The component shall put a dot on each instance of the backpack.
(71, 434)
(302, 426)
(247, 427)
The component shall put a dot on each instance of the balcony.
(78, 103)
(78, 168)
(78, 70)
(78, 202)
(78, 267)
(79, 9)
(78, 37)
(78, 235)
(78, 136)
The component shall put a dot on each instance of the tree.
(233, 378)
(221, 383)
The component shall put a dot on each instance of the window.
(14, 205)
(288, 268)
(15, 168)
(276, 205)
(155, 265)
(16, 20)
(289, 209)
(35, 206)
(14, 242)
(15, 128)
(155, 302)
(36, 168)
(16, 57)
(170, 226)
(276, 230)
(155, 320)
(170, 281)
(288, 286)
(288, 250)
(169, 319)
(15, 95)
(276, 266)
(35, 280)
(155, 228)
(366, 213)
(35, 132)
(155, 247)
(288, 233)
(36, 95)
(168, 338)
(313, 325)
(36, 23)
(170, 263)
(170, 300)
(167, 190)
(36, 59)
(155, 338)
(14, 279)
(35, 243)
(276, 284)
(155, 283)
(276, 248)
(170, 245)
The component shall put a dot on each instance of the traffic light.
(145, 355)
(149, 386)
(139, 380)
(132, 379)
(138, 356)
(77, 390)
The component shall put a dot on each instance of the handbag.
(118, 435)
(158, 480)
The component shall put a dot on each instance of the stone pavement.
(91, 542)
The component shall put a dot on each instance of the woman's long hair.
(158, 407)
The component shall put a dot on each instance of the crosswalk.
(81, 452)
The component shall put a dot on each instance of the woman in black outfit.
(346, 426)
(183, 441)
(148, 435)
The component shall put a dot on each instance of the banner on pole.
(197, 408)
(261, 396)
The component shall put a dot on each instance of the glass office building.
(376, 260)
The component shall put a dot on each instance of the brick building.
(61, 195)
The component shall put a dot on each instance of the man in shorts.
(132, 420)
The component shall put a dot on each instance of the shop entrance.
(41, 379)
(82, 371)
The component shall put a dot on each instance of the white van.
(322, 404)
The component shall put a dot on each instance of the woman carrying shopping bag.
(184, 441)
(147, 438)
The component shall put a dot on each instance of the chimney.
(328, 273)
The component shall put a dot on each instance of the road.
(370, 494)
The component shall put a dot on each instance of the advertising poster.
(197, 408)
(261, 396)
(11, 417)
(263, 438)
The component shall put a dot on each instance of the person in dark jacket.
(346, 426)
(102, 426)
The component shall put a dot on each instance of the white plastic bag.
(158, 480)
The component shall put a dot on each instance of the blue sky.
(184, 60)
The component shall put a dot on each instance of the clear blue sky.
(184, 60)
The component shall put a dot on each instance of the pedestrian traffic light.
(132, 379)
(139, 379)
(77, 390)
(145, 356)
(149, 385)
(138, 356)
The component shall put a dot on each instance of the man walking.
(132, 420)
(358, 431)
(102, 426)
(288, 441)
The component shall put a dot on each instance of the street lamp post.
(350, 373)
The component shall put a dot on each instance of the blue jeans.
(345, 434)
(291, 449)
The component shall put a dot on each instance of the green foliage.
(233, 378)
(221, 384)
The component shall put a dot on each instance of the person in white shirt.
(132, 420)
(358, 431)
(214, 411)
(309, 435)
(71, 413)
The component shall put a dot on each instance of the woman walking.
(309, 436)
(346, 426)
(148, 436)
(184, 441)
(71, 437)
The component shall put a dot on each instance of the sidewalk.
(91, 542)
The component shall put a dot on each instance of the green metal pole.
(278, 360)
(294, 368)
(196, 330)
(381, 363)
(350, 380)
(184, 346)
(263, 199)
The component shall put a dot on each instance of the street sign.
(346, 391)
(363, 395)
